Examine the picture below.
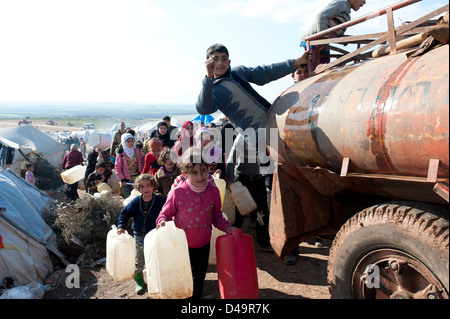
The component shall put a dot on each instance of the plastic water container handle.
(170, 223)
(114, 227)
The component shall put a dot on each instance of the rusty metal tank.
(388, 117)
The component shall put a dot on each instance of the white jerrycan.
(167, 264)
(74, 174)
(120, 255)
(242, 198)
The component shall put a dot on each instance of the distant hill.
(115, 110)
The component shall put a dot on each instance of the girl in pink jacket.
(195, 205)
(129, 163)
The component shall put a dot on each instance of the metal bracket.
(344, 168)
(442, 190)
(433, 168)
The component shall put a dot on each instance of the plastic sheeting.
(22, 258)
(24, 204)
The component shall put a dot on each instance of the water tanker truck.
(363, 157)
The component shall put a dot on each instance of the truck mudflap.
(297, 211)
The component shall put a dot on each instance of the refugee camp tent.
(26, 139)
(25, 237)
(22, 258)
(144, 128)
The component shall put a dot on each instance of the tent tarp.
(28, 139)
(22, 258)
(25, 237)
(204, 118)
(24, 205)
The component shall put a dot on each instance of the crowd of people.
(174, 170)
(170, 171)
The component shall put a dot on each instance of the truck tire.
(397, 250)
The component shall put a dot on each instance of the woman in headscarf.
(129, 163)
(186, 139)
(162, 132)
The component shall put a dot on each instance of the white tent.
(25, 237)
(146, 127)
(27, 139)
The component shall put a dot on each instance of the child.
(228, 89)
(144, 210)
(194, 205)
(151, 165)
(166, 175)
(186, 138)
(29, 175)
(96, 177)
(301, 73)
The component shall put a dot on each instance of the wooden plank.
(391, 31)
(399, 31)
(348, 39)
(347, 57)
(425, 18)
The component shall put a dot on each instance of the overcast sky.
(151, 51)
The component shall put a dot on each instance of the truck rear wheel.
(397, 250)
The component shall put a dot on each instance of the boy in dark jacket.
(95, 178)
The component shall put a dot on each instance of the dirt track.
(304, 280)
(41, 125)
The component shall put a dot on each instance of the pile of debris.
(84, 225)
(47, 176)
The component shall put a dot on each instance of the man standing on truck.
(335, 13)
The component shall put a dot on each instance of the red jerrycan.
(236, 266)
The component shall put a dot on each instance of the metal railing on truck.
(421, 25)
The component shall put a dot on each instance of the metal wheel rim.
(393, 274)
